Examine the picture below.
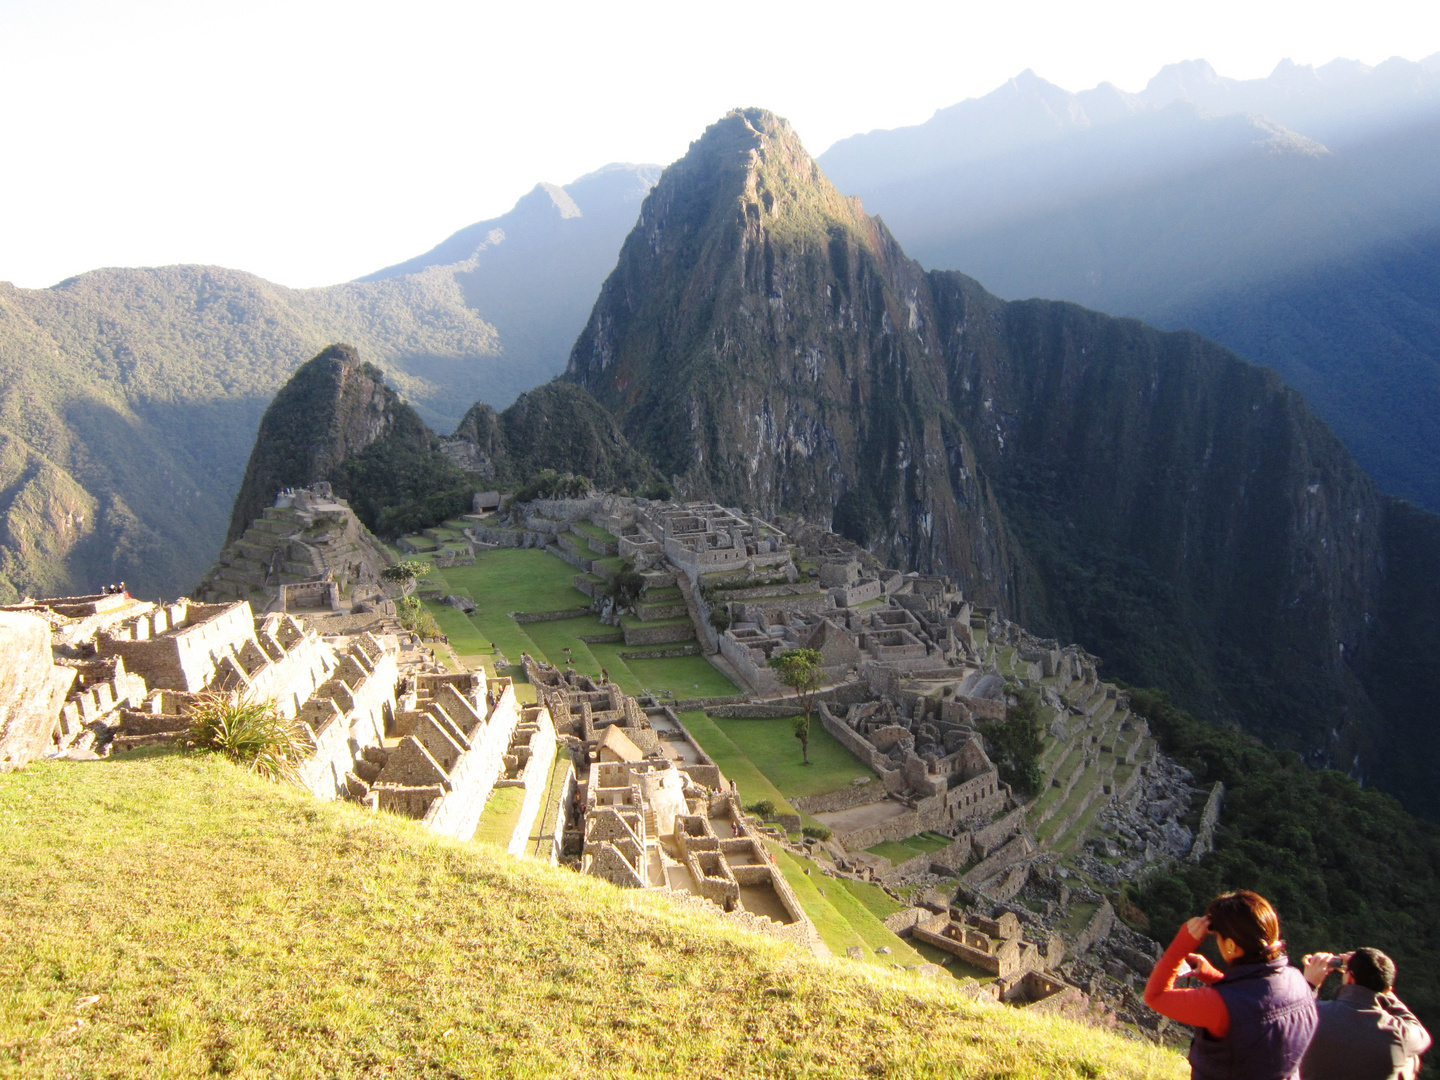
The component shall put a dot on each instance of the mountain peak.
(547, 200)
(1188, 80)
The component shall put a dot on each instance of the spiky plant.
(248, 732)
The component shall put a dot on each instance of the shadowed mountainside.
(1292, 218)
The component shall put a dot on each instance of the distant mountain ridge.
(1292, 218)
(534, 272)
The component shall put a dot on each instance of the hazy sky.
(313, 142)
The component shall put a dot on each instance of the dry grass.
(173, 916)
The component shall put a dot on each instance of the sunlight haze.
(314, 142)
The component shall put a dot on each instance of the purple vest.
(1272, 1020)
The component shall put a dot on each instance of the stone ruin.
(654, 812)
(93, 676)
(307, 553)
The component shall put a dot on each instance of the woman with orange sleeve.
(1255, 1020)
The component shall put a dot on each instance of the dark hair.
(1247, 919)
(1372, 969)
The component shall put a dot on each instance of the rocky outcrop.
(332, 408)
(556, 426)
(32, 689)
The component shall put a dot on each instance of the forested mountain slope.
(130, 398)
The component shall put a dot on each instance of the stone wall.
(991, 836)
(642, 634)
(32, 689)
(177, 647)
(536, 778)
(952, 856)
(844, 799)
(550, 616)
(457, 812)
(1209, 818)
(347, 714)
(1010, 853)
(1097, 929)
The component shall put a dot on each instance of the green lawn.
(754, 784)
(898, 851)
(518, 579)
(470, 648)
(521, 579)
(501, 814)
(879, 903)
(842, 920)
(772, 745)
(593, 532)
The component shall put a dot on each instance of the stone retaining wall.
(951, 857)
(536, 776)
(997, 832)
(1010, 853)
(1097, 929)
(691, 704)
(550, 616)
(754, 712)
(844, 799)
(901, 827)
(1205, 831)
(660, 654)
(657, 635)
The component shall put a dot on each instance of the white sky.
(311, 142)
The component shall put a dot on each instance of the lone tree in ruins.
(406, 573)
(799, 669)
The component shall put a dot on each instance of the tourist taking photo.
(1255, 1020)
(1365, 1032)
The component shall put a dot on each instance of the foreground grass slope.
(169, 916)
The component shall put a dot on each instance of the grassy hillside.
(172, 916)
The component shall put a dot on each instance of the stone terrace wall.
(844, 799)
(952, 856)
(1097, 929)
(536, 778)
(347, 714)
(176, 647)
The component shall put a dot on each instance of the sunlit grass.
(173, 916)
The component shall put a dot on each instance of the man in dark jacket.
(1366, 1033)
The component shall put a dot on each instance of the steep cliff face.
(1188, 517)
(1149, 494)
(767, 344)
(333, 408)
(556, 426)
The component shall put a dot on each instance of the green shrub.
(816, 832)
(414, 616)
(764, 809)
(625, 587)
(1017, 742)
(249, 733)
